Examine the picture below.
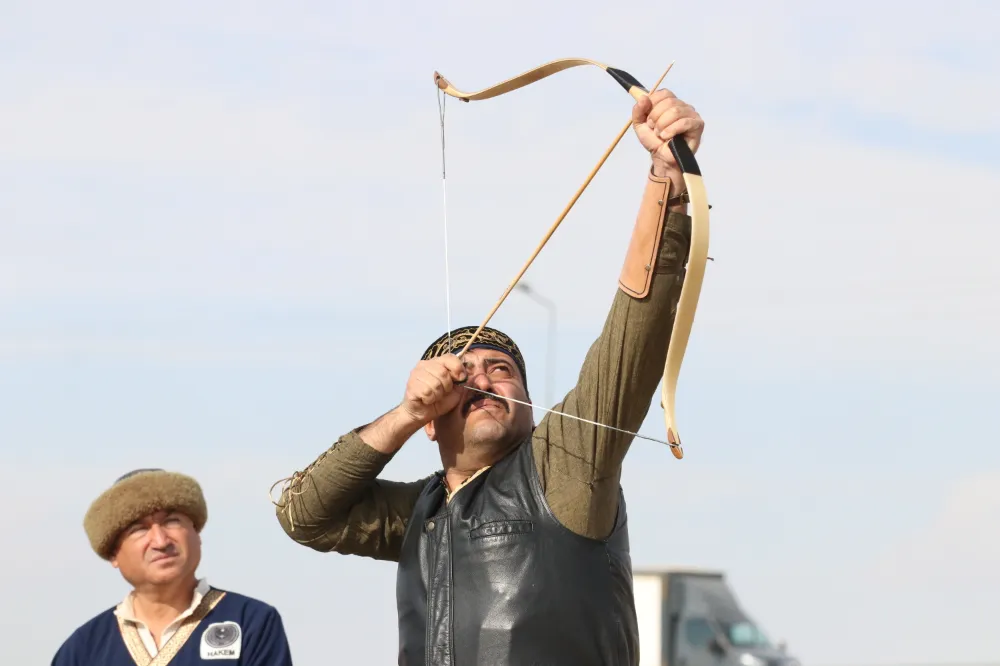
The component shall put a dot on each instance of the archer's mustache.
(169, 551)
(481, 398)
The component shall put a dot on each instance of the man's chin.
(166, 573)
(485, 430)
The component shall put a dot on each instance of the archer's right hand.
(433, 388)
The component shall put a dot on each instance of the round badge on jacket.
(221, 640)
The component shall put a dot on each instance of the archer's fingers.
(453, 367)
(640, 111)
(645, 105)
(658, 96)
(671, 114)
(665, 107)
(431, 387)
(444, 376)
(689, 128)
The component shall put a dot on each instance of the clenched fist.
(660, 117)
(433, 388)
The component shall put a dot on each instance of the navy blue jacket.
(237, 631)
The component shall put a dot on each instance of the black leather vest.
(493, 578)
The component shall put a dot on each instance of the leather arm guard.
(644, 248)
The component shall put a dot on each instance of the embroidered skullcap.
(135, 495)
(488, 338)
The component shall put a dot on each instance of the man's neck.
(459, 468)
(158, 606)
(455, 479)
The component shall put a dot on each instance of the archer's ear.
(429, 429)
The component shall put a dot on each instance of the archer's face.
(483, 420)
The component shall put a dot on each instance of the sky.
(222, 245)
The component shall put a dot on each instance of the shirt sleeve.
(580, 464)
(338, 503)
(267, 644)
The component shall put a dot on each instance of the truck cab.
(690, 617)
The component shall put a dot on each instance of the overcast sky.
(222, 246)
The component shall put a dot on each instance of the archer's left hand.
(656, 119)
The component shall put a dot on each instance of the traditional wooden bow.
(698, 253)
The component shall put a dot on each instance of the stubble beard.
(494, 437)
(492, 434)
(488, 436)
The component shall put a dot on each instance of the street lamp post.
(550, 358)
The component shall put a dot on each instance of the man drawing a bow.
(517, 552)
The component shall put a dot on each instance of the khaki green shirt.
(340, 504)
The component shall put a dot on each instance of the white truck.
(690, 617)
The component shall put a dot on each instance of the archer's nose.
(480, 381)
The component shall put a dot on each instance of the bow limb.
(690, 290)
(626, 80)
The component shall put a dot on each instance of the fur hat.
(138, 494)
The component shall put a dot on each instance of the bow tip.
(440, 81)
(675, 444)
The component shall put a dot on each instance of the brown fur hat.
(138, 494)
